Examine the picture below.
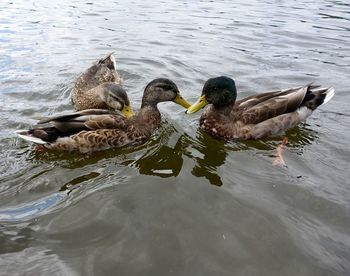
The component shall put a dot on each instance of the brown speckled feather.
(108, 131)
(89, 141)
(105, 121)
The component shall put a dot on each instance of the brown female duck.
(257, 116)
(94, 129)
(99, 88)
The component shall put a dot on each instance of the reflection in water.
(298, 137)
(164, 161)
(73, 184)
(213, 153)
(167, 161)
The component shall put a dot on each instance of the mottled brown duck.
(96, 129)
(258, 116)
(99, 87)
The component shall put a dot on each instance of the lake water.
(182, 203)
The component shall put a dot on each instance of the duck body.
(92, 88)
(92, 130)
(257, 116)
(97, 129)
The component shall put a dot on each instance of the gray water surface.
(182, 203)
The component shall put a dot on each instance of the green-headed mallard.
(94, 129)
(257, 116)
(99, 88)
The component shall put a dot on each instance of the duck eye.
(117, 99)
(165, 87)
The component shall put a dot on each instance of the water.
(182, 203)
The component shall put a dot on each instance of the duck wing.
(65, 125)
(258, 108)
(89, 119)
(107, 121)
(72, 115)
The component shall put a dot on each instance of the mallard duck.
(99, 86)
(257, 116)
(94, 129)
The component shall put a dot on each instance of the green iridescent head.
(219, 91)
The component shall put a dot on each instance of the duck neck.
(224, 110)
(149, 115)
(147, 102)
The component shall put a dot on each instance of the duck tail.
(329, 95)
(316, 96)
(28, 136)
(113, 61)
(110, 61)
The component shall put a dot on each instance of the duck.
(99, 87)
(258, 116)
(100, 129)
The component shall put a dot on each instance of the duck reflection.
(164, 161)
(212, 155)
(298, 137)
(301, 136)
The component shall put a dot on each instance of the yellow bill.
(127, 111)
(181, 101)
(199, 104)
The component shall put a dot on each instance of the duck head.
(116, 98)
(219, 91)
(162, 90)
